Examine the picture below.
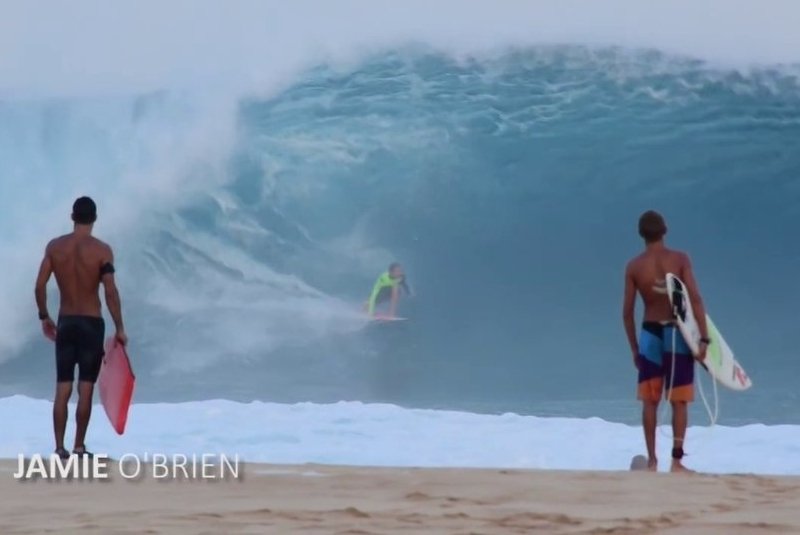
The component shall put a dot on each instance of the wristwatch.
(43, 316)
(705, 341)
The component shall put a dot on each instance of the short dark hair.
(394, 265)
(84, 211)
(652, 226)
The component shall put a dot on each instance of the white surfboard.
(719, 361)
(379, 318)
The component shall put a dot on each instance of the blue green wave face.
(509, 186)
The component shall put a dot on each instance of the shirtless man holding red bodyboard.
(80, 263)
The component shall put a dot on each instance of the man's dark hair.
(84, 211)
(651, 226)
(394, 265)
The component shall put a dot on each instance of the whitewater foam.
(387, 435)
(137, 157)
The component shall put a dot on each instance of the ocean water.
(255, 184)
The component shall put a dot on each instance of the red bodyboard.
(115, 384)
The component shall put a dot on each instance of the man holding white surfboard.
(660, 353)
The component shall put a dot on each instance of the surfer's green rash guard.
(383, 283)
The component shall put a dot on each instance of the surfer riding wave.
(386, 288)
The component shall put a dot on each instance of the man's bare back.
(77, 259)
(648, 272)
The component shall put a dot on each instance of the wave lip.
(259, 44)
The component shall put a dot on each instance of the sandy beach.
(332, 500)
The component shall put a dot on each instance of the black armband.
(107, 269)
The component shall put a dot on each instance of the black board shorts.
(79, 342)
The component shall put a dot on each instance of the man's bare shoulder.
(101, 249)
(100, 243)
(679, 255)
(634, 262)
(58, 241)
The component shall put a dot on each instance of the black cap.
(84, 211)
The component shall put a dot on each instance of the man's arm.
(40, 291)
(393, 307)
(628, 308)
(406, 287)
(371, 300)
(694, 295)
(112, 294)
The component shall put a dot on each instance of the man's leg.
(65, 375)
(91, 359)
(651, 385)
(82, 414)
(649, 393)
(381, 298)
(649, 421)
(680, 394)
(680, 420)
(60, 412)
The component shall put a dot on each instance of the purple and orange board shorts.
(656, 367)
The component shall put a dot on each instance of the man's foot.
(677, 466)
(82, 452)
(652, 464)
(63, 453)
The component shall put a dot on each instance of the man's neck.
(654, 246)
(82, 230)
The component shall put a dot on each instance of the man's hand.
(49, 329)
(635, 355)
(121, 337)
(701, 351)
